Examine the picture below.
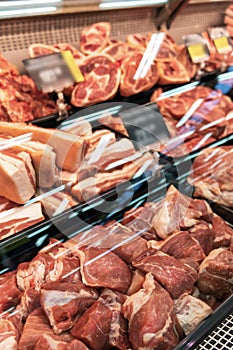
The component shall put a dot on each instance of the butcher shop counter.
(113, 266)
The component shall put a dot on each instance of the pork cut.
(175, 276)
(36, 50)
(119, 51)
(10, 293)
(190, 311)
(8, 337)
(171, 72)
(94, 37)
(16, 168)
(20, 218)
(103, 268)
(137, 40)
(212, 175)
(151, 316)
(182, 245)
(93, 327)
(216, 273)
(101, 80)
(129, 85)
(223, 233)
(37, 325)
(48, 342)
(63, 302)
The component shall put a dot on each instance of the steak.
(94, 37)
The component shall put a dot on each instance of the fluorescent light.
(28, 2)
(27, 11)
(116, 4)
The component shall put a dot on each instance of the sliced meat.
(95, 37)
(152, 321)
(119, 51)
(137, 40)
(19, 218)
(103, 268)
(130, 86)
(101, 80)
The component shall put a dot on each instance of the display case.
(95, 235)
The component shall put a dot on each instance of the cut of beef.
(48, 342)
(190, 311)
(101, 80)
(152, 320)
(171, 213)
(223, 233)
(36, 326)
(118, 334)
(6, 67)
(130, 86)
(95, 37)
(182, 245)
(216, 273)
(8, 337)
(103, 268)
(176, 277)
(62, 302)
(10, 293)
(212, 175)
(203, 233)
(93, 326)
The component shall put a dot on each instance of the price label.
(54, 72)
(197, 47)
(221, 39)
(197, 52)
(145, 126)
(222, 45)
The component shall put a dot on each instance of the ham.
(94, 37)
(130, 86)
(101, 80)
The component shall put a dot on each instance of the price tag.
(54, 72)
(145, 126)
(222, 44)
(221, 39)
(197, 48)
(197, 52)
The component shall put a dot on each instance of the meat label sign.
(145, 125)
(53, 72)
